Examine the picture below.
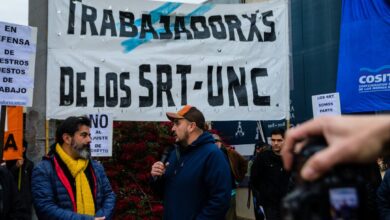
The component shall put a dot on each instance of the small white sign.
(17, 64)
(101, 135)
(326, 104)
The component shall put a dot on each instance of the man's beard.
(83, 150)
(183, 142)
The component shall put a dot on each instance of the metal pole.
(2, 125)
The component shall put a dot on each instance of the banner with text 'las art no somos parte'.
(138, 59)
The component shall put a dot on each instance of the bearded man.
(67, 183)
(195, 180)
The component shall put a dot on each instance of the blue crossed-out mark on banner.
(165, 9)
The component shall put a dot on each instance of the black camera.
(347, 192)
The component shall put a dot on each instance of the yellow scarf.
(85, 204)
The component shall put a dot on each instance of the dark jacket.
(10, 201)
(197, 182)
(269, 178)
(25, 173)
(383, 197)
(52, 200)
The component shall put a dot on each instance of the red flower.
(143, 176)
(132, 186)
(157, 208)
(150, 160)
(140, 147)
(121, 204)
(134, 199)
(115, 186)
(150, 137)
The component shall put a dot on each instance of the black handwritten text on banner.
(200, 27)
(17, 61)
(115, 82)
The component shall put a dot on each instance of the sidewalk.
(243, 213)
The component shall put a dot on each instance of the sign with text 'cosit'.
(13, 134)
(17, 64)
(101, 135)
(139, 59)
(363, 76)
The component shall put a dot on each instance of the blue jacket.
(52, 200)
(198, 184)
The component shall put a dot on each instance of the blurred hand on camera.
(349, 138)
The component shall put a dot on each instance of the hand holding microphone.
(158, 168)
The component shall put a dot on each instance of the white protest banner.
(140, 59)
(101, 135)
(184, 1)
(17, 64)
(326, 104)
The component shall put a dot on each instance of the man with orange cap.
(195, 179)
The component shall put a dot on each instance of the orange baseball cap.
(190, 113)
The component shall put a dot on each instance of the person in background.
(384, 164)
(21, 170)
(260, 147)
(269, 177)
(67, 183)
(195, 181)
(238, 168)
(11, 206)
(383, 197)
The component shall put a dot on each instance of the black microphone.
(164, 156)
